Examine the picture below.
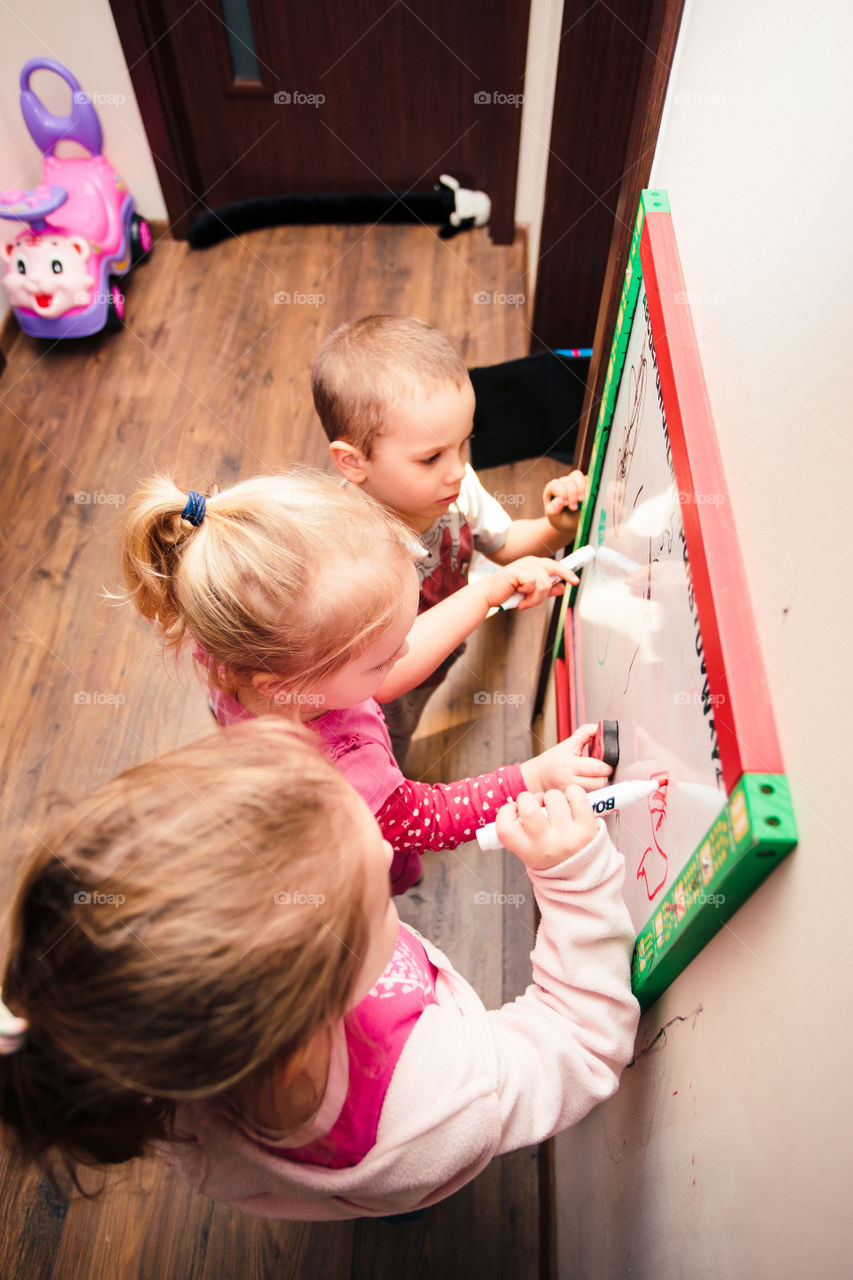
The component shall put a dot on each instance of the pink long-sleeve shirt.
(469, 1083)
(412, 816)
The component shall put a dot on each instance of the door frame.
(664, 25)
(155, 82)
(642, 68)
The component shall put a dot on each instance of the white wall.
(83, 37)
(728, 1152)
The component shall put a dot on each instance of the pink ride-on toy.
(83, 235)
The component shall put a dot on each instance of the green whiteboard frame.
(755, 827)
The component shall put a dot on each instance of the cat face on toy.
(48, 274)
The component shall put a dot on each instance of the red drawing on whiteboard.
(654, 874)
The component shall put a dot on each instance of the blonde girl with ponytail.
(299, 596)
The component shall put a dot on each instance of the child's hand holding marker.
(601, 802)
(604, 557)
(526, 582)
(568, 566)
(543, 830)
(562, 498)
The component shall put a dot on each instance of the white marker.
(573, 562)
(615, 560)
(605, 801)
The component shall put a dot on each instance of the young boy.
(397, 405)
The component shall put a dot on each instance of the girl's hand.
(563, 765)
(562, 498)
(533, 576)
(544, 837)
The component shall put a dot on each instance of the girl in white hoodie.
(206, 960)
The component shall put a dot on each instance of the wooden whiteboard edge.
(743, 715)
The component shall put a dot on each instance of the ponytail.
(156, 531)
(49, 1102)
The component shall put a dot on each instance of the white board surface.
(638, 650)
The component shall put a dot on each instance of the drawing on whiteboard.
(637, 380)
(654, 875)
(657, 800)
(636, 652)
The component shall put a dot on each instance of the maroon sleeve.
(419, 815)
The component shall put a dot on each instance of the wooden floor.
(209, 380)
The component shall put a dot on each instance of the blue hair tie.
(194, 510)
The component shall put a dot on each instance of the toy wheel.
(141, 239)
(115, 308)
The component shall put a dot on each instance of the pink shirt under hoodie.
(364, 1053)
(448, 1084)
(412, 816)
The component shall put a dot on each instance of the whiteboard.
(666, 643)
(637, 643)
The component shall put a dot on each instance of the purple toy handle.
(46, 129)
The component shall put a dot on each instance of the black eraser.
(605, 744)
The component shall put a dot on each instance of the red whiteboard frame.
(746, 730)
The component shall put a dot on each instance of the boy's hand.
(533, 576)
(543, 838)
(563, 765)
(562, 497)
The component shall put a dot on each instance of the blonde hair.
(291, 574)
(188, 927)
(366, 366)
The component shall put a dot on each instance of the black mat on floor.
(310, 210)
(527, 408)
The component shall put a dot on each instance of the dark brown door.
(325, 96)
